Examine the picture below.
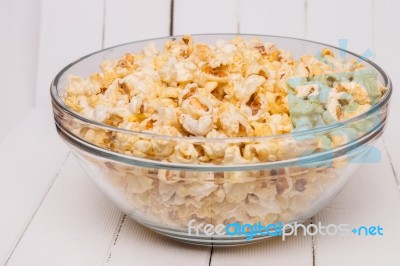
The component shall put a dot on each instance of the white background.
(52, 214)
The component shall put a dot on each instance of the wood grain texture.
(274, 251)
(139, 246)
(127, 20)
(371, 198)
(30, 156)
(69, 29)
(282, 18)
(207, 16)
(74, 226)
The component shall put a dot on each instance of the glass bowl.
(202, 203)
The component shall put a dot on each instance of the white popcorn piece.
(150, 50)
(184, 153)
(197, 127)
(215, 150)
(197, 106)
(78, 86)
(232, 120)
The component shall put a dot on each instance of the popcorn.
(181, 71)
(78, 86)
(150, 50)
(210, 93)
(233, 156)
(141, 148)
(197, 106)
(184, 153)
(261, 151)
(215, 150)
(198, 127)
(250, 85)
(233, 122)
(139, 185)
(100, 113)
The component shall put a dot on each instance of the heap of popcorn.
(234, 88)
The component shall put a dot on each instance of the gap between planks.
(391, 163)
(116, 234)
(171, 18)
(38, 207)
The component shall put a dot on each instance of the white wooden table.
(51, 214)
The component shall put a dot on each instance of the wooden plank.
(30, 155)
(282, 18)
(293, 251)
(127, 20)
(18, 27)
(69, 29)
(74, 226)
(387, 53)
(144, 247)
(370, 199)
(207, 16)
(329, 21)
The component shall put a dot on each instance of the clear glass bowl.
(180, 199)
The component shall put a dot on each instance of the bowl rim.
(57, 101)
(325, 158)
